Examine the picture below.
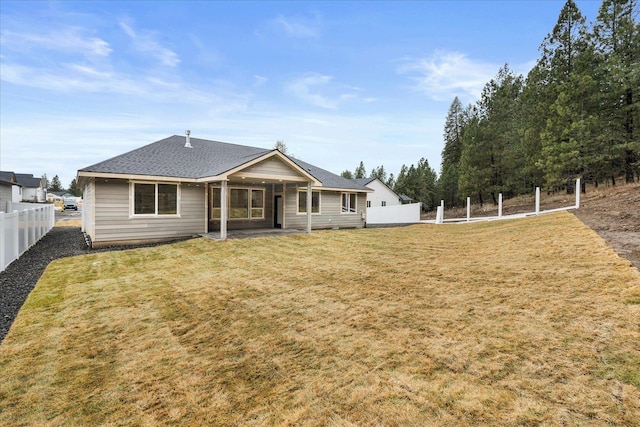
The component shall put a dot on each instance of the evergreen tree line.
(575, 115)
(419, 182)
(56, 186)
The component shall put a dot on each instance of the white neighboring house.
(33, 189)
(382, 195)
(385, 207)
(10, 190)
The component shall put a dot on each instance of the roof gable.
(273, 166)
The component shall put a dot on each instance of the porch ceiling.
(258, 179)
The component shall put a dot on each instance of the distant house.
(54, 196)
(33, 189)
(385, 207)
(182, 186)
(10, 190)
(404, 199)
(382, 195)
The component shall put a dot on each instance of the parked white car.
(71, 204)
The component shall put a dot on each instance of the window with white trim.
(154, 198)
(244, 203)
(349, 202)
(302, 202)
(384, 203)
(257, 203)
(368, 203)
(216, 205)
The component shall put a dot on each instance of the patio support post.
(309, 203)
(223, 210)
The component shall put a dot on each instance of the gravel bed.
(21, 276)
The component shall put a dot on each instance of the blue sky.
(338, 82)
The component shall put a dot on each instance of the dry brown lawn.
(68, 223)
(523, 322)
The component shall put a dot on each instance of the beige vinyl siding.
(5, 195)
(88, 214)
(113, 222)
(331, 215)
(271, 167)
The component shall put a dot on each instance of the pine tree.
(616, 44)
(55, 184)
(379, 173)
(567, 138)
(73, 188)
(449, 171)
(391, 181)
(474, 177)
(360, 171)
(347, 174)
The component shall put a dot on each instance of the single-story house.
(382, 195)
(182, 186)
(34, 189)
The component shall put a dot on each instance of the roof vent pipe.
(188, 143)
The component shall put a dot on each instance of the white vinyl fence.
(395, 214)
(21, 228)
(441, 220)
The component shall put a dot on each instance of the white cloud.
(444, 75)
(298, 27)
(145, 42)
(78, 78)
(320, 91)
(64, 39)
(303, 89)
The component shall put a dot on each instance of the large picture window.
(155, 199)
(302, 202)
(349, 202)
(244, 203)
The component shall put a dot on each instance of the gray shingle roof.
(7, 176)
(363, 181)
(328, 179)
(28, 180)
(170, 158)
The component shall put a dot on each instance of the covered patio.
(253, 197)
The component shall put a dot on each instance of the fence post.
(16, 236)
(439, 215)
(2, 266)
(578, 189)
(537, 200)
(499, 205)
(468, 209)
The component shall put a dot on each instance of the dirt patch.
(614, 213)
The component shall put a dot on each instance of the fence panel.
(22, 228)
(396, 214)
